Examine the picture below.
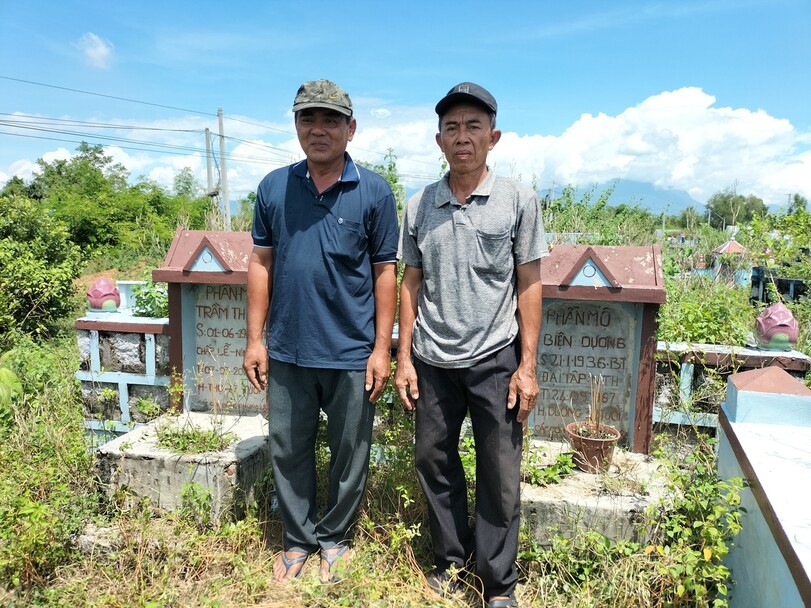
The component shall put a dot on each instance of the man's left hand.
(378, 369)
(524, 391)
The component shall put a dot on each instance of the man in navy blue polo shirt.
(322, 279)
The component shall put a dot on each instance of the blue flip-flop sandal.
(289, 562)
(330, 556)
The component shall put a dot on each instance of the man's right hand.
(405, 379)
(255, 364)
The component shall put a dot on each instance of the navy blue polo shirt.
(324, 245)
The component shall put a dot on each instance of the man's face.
(323, 134)
(465, 137)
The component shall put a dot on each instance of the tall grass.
(141, 558)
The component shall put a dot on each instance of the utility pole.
(226, 204)
(209, 157)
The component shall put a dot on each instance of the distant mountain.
(648, 196)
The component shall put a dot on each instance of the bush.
(151, 300)
(701, 311)
(11, 389)
(38, 264)
(46, 488)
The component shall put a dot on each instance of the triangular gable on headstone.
(206, 258)
(590, 271)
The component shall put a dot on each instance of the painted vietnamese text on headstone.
(579, 339)
(219, 328)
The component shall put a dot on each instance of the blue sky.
(694, 95)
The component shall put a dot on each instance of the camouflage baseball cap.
(322, 94)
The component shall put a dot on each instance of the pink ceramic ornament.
(103, 295)
(776, 328)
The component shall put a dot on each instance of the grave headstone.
(207, 273)
(578, 340)
(598, 318)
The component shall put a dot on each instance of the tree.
(392, 175)
(14, 187)
(38, 264)
(727, 208)
(81, 192)
(798, 204)
(186, 185)
(688, 219)
(243, 220)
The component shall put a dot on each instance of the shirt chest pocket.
(345, 241)
(492, 253)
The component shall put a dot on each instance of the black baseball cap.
(468, 92)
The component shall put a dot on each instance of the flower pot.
(592, 454)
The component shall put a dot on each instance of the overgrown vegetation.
(47, 492)
(151, 300)
(594, 221)
(187, 559)
(38, 264)
(83, 213)
(185, 438)
(703, 311)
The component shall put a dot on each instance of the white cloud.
(26, 169)
(676, 140)
(97, 51)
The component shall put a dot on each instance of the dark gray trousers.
(446, 396)
(296, 396)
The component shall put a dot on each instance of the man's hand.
(524, 391)
(255, 364)
(405, 379)
(378, 370)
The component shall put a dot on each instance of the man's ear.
(353, 125)
(494, 137)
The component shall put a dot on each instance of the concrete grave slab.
(610, 503)
(134, 462)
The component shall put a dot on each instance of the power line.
(256, 124)
(262, 146)
(103, 137)
(89, 124)
(191, 111)
(156, 148)
(145, 103)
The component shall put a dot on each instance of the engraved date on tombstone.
(579, 339)
(219, 329)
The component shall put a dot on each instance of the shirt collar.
(349, 174)
(444, 195)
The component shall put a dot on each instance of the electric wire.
(127, 99)
(200, 112)
(47, 120)
(177, 152)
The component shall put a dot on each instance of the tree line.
(83, 214)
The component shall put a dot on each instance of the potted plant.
(592, 440)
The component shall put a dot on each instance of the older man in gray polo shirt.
(470, 313)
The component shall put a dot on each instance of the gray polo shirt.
(468, 253)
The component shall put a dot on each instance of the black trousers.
(446, 396)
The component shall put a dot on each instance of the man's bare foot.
(288, 566)
(333, 562)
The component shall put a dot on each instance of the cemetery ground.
(83, 216)
(63, 543)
